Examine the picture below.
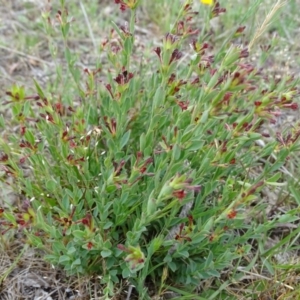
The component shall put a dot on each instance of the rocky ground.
(24, 55)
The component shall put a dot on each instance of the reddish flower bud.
(59, 108)
(217, 10)
(169, 40)
(3, 157)
(23, 130)
(293, 106)
(123, 78)
(23, 159)
(171, 78)
(195, 81)
(244, 53)
(240, 30)
(227, 97)
(176, 55)
(48, 117)
(232, 214)
(180, 194)
(183, 105)
(123, 5)
(232, 161)
(135, 257)
(157, 50)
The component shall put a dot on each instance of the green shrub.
(152, 175)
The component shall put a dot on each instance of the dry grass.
(24, 55)
(266, 23)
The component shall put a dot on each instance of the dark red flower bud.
(183, 105)
(232, 214)
(240, 30)
(157, 50)
(244, 53)
(176, 55)
(170, 39)
(180, 194)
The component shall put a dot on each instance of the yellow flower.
(207, 2)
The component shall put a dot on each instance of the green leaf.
(208, 226)
(64, 258)
(124, 197)
(204, 116)
(295, 193)
(51, 185)
(172, 266)
(58, 247)
(287, 218)
(77, 262)
(198, 238)
(110, 261)
(274, 178)
(155, 245)
(168, 259)
(213, 80)
(195, 145)
(2, 121)
(92, 116)
(36, 241)
(39, 89)
(254, 136)
(276, 183)
(79, 234)
(71, 250)
(126, 273)
(108, 225)
(10, 217)
(149, 138)
(151, 206)
(111, 188)
(111, 145)
(142, 142)
(267, 150)
(128, 45)
(116, 27)
(125, 139)
(213, 273)
(26, 108)
(176, 151)
(159, 98)
(68, 56)
(29, 137)
(269, 266)
(188, 133)
(65, 204)
(183, 253)
(106, 253)
(209, 260)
